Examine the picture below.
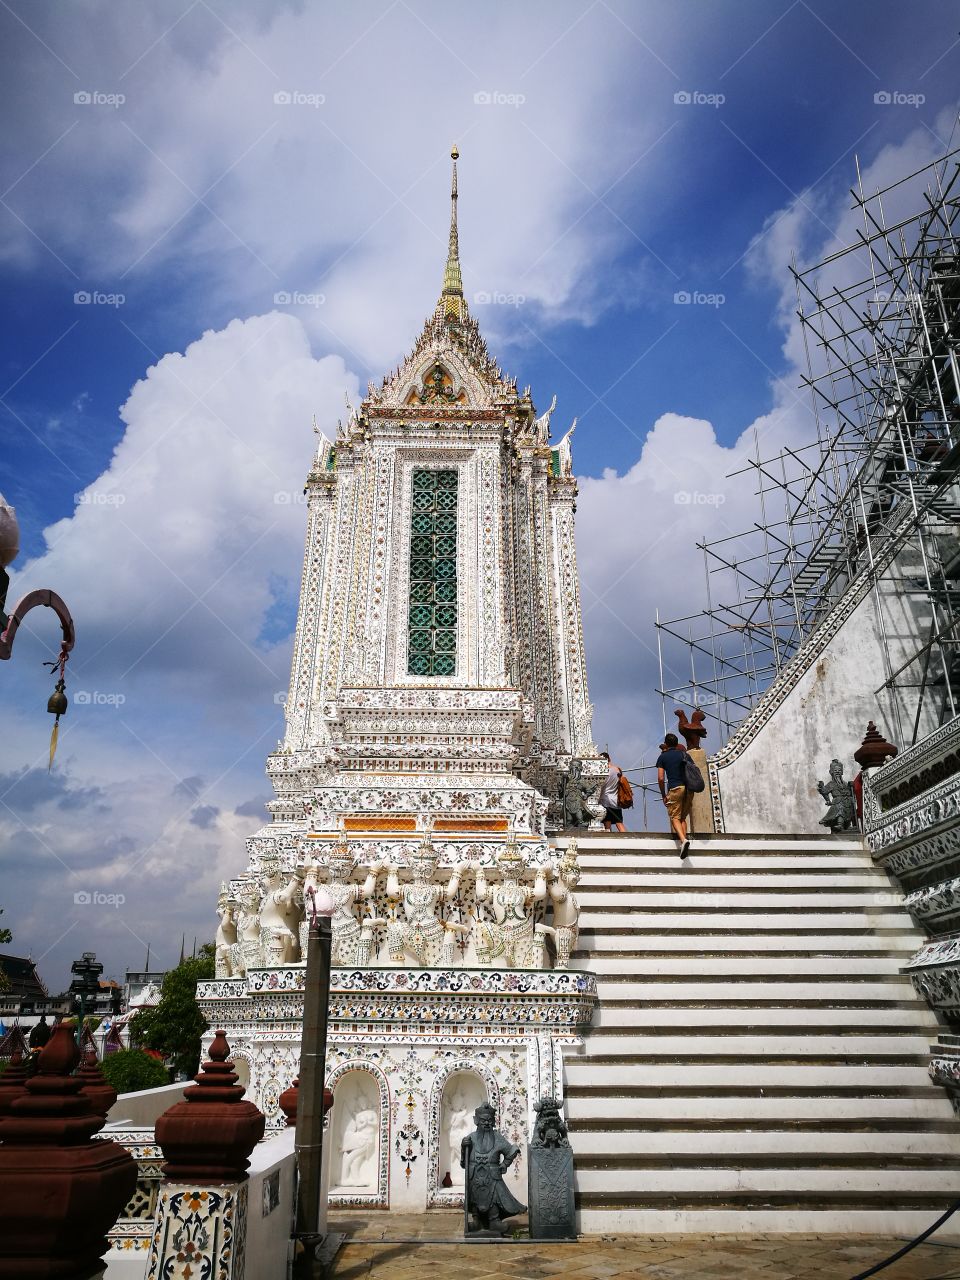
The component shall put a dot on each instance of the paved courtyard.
(411, 1247)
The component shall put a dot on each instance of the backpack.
(624, 793)
(692, 777)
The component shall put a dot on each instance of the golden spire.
(451, 297)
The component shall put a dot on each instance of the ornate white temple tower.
(438, 696)
(438, 662)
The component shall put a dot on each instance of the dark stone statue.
(550, 1176)
(841, 813)
(485, 1156)
(40, 1033)
(575, 791)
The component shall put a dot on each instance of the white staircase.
(757, 1062)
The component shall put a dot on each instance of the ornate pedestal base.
(200, 1231)
(553, 1214)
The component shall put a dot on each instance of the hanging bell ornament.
(57, 706)
(57, 702)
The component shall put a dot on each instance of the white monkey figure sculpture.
(419, 932)
(278, 908)
(510, 934)
(247, 950)
(566, 907)
(226, 939)
(311, 883)
(348, 941)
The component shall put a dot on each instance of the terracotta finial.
(94, 1084)
(692, 730)
(210, 1134)
(60, 1189)
(289, 1101)
(13, 1082)
(874, 750)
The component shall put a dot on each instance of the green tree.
(5, 937)
(130, 1070)
(175, 1025)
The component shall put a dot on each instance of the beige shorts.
(679, 803)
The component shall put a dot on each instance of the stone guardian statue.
(485, 1156)
(841, 814)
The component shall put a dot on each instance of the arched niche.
(241, 1066)
(358, 1135)
(457, 1092)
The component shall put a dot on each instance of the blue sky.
(155, 438)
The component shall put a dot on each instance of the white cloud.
(170, 552)
(200, 169)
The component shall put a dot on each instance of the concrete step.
(734, 868)
(686, 876)
(756, 1105)
(793, 1181)
(656, 895)
(622, 1077)
(818, 1215)
(626, 942)
(639, 966)
(746, 1046)
(676, 920)
(615, 843)
(707, 1144)
(679, 990)
(612, 1016)
(616, 1019)
(596, 864)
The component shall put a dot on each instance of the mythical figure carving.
(358, 1149)
(566, 907)
(350, 942)
(575, 792)
(841, 814)
(226, 939)
(311, 884)
(459, 1120)
(419, 933)
(247, 952)
(549, 1129)
(278, 909)
(510, 934)
(485, 1156)
(692, 730)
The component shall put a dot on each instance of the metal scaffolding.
(873, 493)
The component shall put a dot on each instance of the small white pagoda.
(438, 699)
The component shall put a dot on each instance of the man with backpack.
(612, 797)
(672, 780)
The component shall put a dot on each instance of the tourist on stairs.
(670, 778)
(610, 797)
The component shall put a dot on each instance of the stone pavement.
(408, 1247)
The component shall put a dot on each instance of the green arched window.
(432, 639)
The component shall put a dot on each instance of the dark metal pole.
(313, 1053)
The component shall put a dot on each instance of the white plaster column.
(568, 622)
(307, 639)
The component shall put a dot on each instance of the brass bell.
(57, 702)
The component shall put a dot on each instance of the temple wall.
(765, 778)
